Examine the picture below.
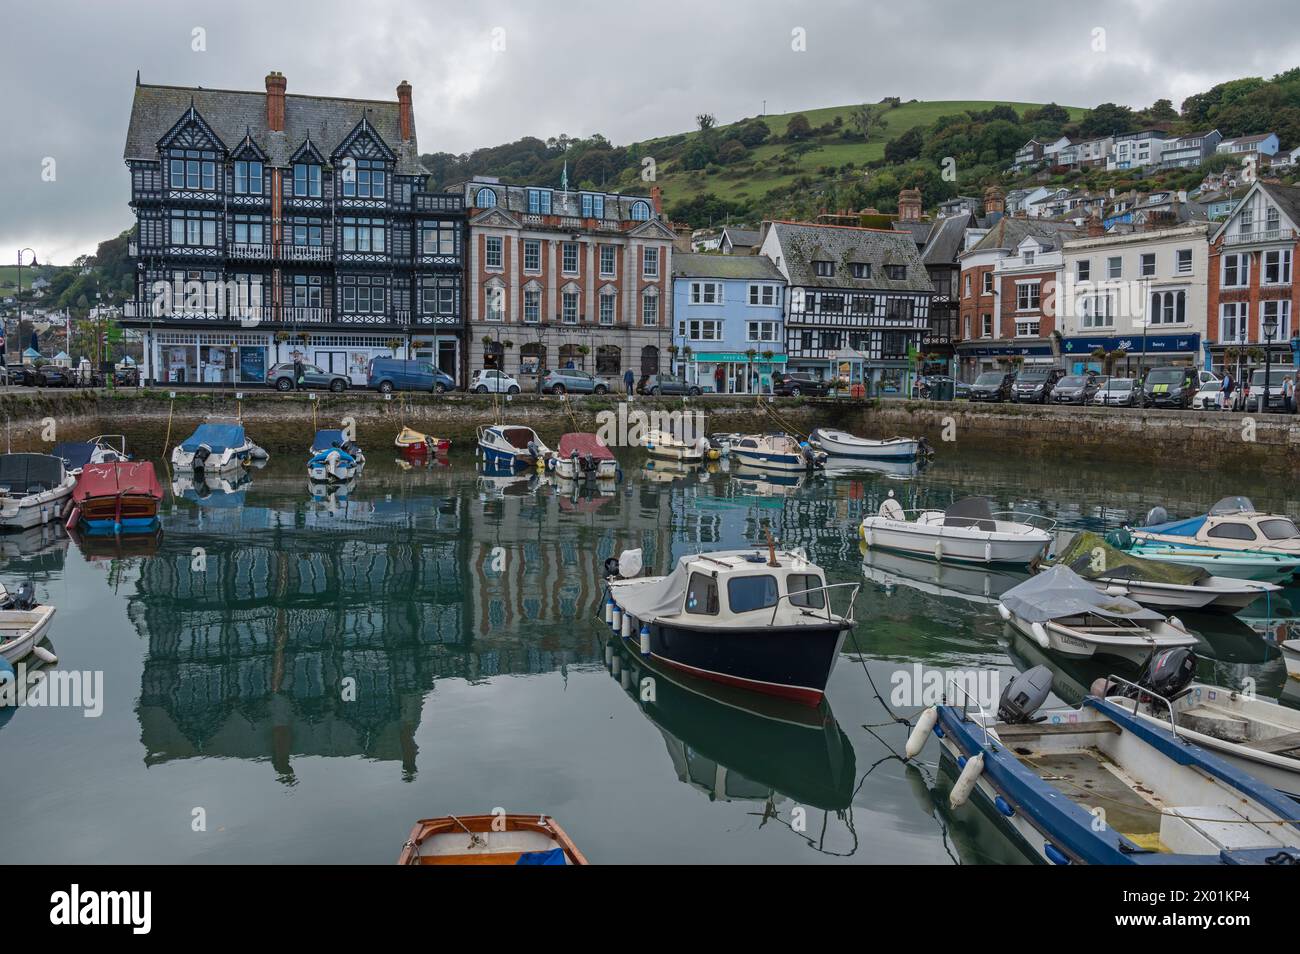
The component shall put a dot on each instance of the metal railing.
(1268, 235)
(1143, 691)
(848, 618)
(1024, 516)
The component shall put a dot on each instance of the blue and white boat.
(1232, 539)
(775, 452)
(1101, 785)
(216, 449)
(334, 457)
(104, 449)
(842, 444)
(511, 445)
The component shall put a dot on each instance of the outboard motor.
(534, 450)
(588, 464)
(1025, 695)
(24, 599)
(201, 457)
(1156, 515)
(1169, 672)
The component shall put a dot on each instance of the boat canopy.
(584, 444)
(1090, 556)
(219, 437)
(970, 512)
(516, 435)
(1060, 592)
(662, 597)
(1232, 505)
(1177, 528)
(74, 454)
(136, 478)
(324, 440)
(30, 473)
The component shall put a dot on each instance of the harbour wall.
(152, 420)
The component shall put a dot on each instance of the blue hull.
(100, 528)
(500, 459)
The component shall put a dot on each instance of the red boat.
(117, 497)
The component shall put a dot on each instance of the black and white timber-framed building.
(272, 225)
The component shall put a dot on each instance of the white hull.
(35, 510)
(1082, 643)
(958, 544)
(682, 453)
(569, 469)
(335, 469)
(224, 463)
(22, 630)
(1217, 592)
(758, 460)
(839, 444)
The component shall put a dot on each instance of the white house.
(1133, 150)
(1264, 144)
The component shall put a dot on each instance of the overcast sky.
(627, 69)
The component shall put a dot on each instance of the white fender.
(1040, 634)
(988, 551)
(1114, 590)
(609, 610)
(645, 640)
(1177, 623)
(924, 726)
(626, 630)
(938, 549)
(1004, 613)
(40, 652)
(965, 783)
(616, 618)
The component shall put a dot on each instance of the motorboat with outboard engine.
(775, 452)
(1232, 539)
(216, 448)
(968, 531)
(410, 441)
(668, 446)
(582, 455)
(34, 489)
(837, 444)
(334, 457)
(23, 623)
(103, 449)
(510, 446)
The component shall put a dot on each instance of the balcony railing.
(1260, 238)
(307, 253)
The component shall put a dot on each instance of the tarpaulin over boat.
(970, 512)
(584, 444)
(1090, 556)
(1060, 592)
(655, 598)
(74, 454)
(326, 439)
(1176, 528)
(30, 473)
(219, 437)
(136, 478)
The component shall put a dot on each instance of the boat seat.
(1288, 745)
(1202, 829)
(1009, 733)
(476, 858)
(1214, 723)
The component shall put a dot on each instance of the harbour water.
(291, 676)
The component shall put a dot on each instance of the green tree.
(798, 128)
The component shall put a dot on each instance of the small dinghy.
(334, 457)
(1255, 735)
(411, 441)
(23, 623)
(104, 449)
(837, 443)
(1157, 583)
(759, 621)
(489, 840)
(216, 449)
(510, 446)
(34, 489)
(1291, 656)
(1060, 610)
(968, 531)
(583, 456)
(775, 452)
(667, 446)
(121, 497)
(1041, 777)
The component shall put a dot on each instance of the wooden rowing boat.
(489, 840)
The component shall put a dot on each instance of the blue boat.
(507, 446)
(1232, 539)
(334, 457)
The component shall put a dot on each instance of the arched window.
(532, 358)
(485, 199)
(649, 360)
(572, 357)
(640, 211)
(494, 356)
(609, 359)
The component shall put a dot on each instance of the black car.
(1035, 384)
(1169, 387)
(1077, 388)
(52, 376)
(992, 386)
(23, 375)
(797, 383)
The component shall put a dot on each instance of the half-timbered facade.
(858, 302)
(273, 226)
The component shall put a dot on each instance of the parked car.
(665, 384)
(1172, 387)
(402, 374)
(1118, 392)
(127, 377)
(53, 376)
(1207, 398)
(1276, 401)
(490, 379)
(1035, 384)
(992, 386)
(1077, 388)
(22, 375)
(796, 383)
(564, 380)
(280, 377)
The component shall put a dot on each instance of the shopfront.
(1138, 352)
(974, 360)
(739, 375)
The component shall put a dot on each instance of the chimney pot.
(406, 120)
(275, 87)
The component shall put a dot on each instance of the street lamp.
(1270, 329)
(19, 296)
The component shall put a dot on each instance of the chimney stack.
(657, 198)
(275, 86)
(909, 205)
(995, 203)
(1095, 228)
(405, 118)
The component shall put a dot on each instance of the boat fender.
(645, 640)
(1055, 855)
(609, 610)
(611, 566)
(626, 630)
(1004, 613)
(938, 549)
(616, 618)
(1004, 806)
(609, 655)
(961, 789)
(1040, 634)
(1114, 590)
(629, 563)
(1177, 623)
(988, 552)
(45, 655)
(924, 725)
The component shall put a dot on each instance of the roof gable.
(191, 131)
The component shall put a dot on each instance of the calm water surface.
(460, 609)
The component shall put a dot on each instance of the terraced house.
(272, 225)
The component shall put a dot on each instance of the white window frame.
(494, 247)
(650, 262)
(706, 293)
(1240, 317)
(765, 331)
(1283, 267)
(759, 292)
(1022, 297)
(1242, 260)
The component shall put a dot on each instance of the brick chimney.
(909, 205)
(275, 86)
(657, 197)
(995, 203)
(405, 118)
(1095, 228)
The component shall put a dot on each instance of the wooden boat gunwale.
(426, 828)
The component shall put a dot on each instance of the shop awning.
(1132, 344)
(736, 357)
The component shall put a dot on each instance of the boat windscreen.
(30, 473)
(970, 512)
(1232, 505)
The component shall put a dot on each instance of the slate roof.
(1286, 197)
(920, 231)
(742, 237)
(802, 244)
(514, 199)
(946, 238)
(232, 113)
(749, 267)
(1008, 233)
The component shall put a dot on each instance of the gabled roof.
(946, 238)
(1286, 198)
(1008, 233)
(802, 244)
(745, 237)
(742, 267)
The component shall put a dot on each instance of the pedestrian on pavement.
(628, 379)
(298, 375)
(720, 380)
(1288, 395)
(1225, 391)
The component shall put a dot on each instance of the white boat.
(1061, 611)
(103, 449)
(1233, 539)
(1291, 656)
(510, 446)
(23, 623)
(583, 456)
(667, 446)
(334, 457)
(968, 531)
(775, 452)
(216, 448)
(34, 489)
(837, 443)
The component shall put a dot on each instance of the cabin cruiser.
(117, 497)
(334, 457)
(968, 531)
(1232, 528)
(33, 489)
(411, 441)
(216, 448)
(758, 620)
(837, 443)
(720, 444)
(667, 446)
(105, 448)
(775, 452)
(511, 445)
(583, 456)
(1060, 610)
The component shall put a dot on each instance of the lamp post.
(1270, 329)
(19, 297)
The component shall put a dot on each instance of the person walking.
(1225, 391)
(298, 375)
(720, 380)
(1288, 395)
(628, 379)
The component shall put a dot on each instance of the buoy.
(924, 725)
(1040, 635)
(1004, 613)
(961, 789)
(43, 654)
(645, 640)
(609, 610)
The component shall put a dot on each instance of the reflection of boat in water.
(212, 490)
(113, 546)
(333, 494)
(955, 581)
(731, 744)
(849, 467)
(767, 483)
(504, 483)
(666, 471)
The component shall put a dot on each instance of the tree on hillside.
(798, 128)
(1050, 115)
(753, 133)
(905, 147)
(706, 121)
(1106, 119)
(1161, 111)
(867, 119)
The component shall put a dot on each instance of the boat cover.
(324, 440)
(970, 512)
(666, 595)
(74, 454)
(30, 473)
(1177, 528)
(584, 444)
(1090, 556)
(121, 477)
(1060, 592)
(219, 437)
(552, 856)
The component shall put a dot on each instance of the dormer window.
(640, 211)
(485, 199)
(539, 201)
(1272, 220)
(824, 269)
(1029, 256)
(248, 177)
(896, 272)
(593, 206)
(306, 180)
(363, 178)
(193, 170)
(861, 269)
